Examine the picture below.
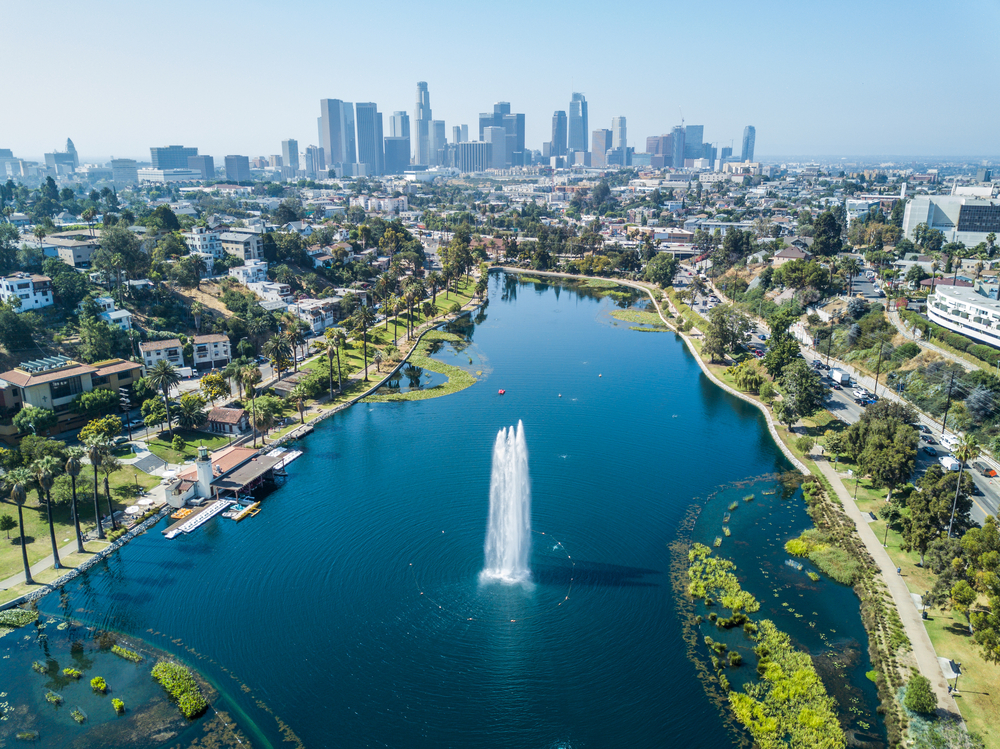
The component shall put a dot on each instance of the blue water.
(349, 610)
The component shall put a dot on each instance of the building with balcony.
(252, 271)
(318, 314)
(170, 350)
(53, 383)
(203, 241)
(963, 310)
(246, 245)
(33, 292)
(211, 351)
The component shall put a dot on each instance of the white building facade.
(33, 292)
(964, 311)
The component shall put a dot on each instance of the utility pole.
(829, 343)
(944, 419)
(878, 367)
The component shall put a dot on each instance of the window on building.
(65, 388)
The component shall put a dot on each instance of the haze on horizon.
(837, 79)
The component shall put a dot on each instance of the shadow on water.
(597, 574)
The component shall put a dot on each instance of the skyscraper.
(399, 125)
(497, 138)
(726, 153)
(171, 157)
(205, 165)
(438, 142)
(290, 154)
(422, 123)
(578, 123)
(693, 135)
(559, 132)
(397, 155)
(619, 134)
(600, 144)
(371, 151)
(71, 150)
(315, 162)
(749, 136)
(679, 138)
(237, 168)
(336, 132)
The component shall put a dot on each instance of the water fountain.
(508, 536)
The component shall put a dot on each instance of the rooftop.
(159, 345)
(226, 415)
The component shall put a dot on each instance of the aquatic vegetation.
(749, 498)
(128, 655)
(789, 706)
(98, 684)
(15, 618)
(813, 576)
(27, 735)
(810, 541)
(733, 506)
(118, 705)
(727, 531)
(182, 687)
(718, 542)
(55, 699)
(712, 577)
(72, 673)
(735, 659)
(78, 715)
(39, 668)
(838, 564)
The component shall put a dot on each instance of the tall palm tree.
(98, 450)
(965, 451)
(109, 465)
(73, 468)
(197, 310)
(298, 395)
(231, 372)
(327, 347)
(295, 339)
(18, 480)
(277, 349)
(164, 376)
(88, 216)
(192, 413)
(434, 279)
(45, 470)
(377, 360)
(361, 321)
(250, 376)
(398, 305)
(851, 268)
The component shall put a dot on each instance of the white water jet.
(508, 536)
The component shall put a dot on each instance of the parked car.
(923, 427)
(136, 424)
(929, 450)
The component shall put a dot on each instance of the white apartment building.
(856, 209)
(246, 245)
(211, 351)
(319, 314)
(272, 291)
(33, 292)
(204, 242)
(169, 350)
(961, 309)
(252, 271)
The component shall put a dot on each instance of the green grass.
(458, 379)
(162, 444)
(638, 316)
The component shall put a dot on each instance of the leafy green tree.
(661, 269)
(215, 386)
(15, 334)
(107, 427)
(782, 348)
(163, 219)
(802, 388)
(826, 235)
(747, 376)
(94, 402)
(35, 420)
(920, 698)
(836, 443)
(7, 523)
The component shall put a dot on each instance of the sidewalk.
(923, 650)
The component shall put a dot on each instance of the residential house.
(303, 229)
(252, 271)
(246, 245)
(75, 250)
(272, 291)
(202, 240)
(228, 421)
(211, 351)
(53, 383)
(33, 292)
(170, 350)
(789, 253)
(318, 314)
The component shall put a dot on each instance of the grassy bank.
(458, 379)
(162, 445)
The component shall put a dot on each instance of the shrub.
(78, 715)
(735, 659)
(181, 686)
(804, 444)
(72, 673)
(118, 705)
(38, 667)
(178, 443)
(813, 576)
(98, 684)
(837, 563)
(907, 351)
(128, 655)
(54, 698)
(919, 697)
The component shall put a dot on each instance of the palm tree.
(434, 279)
(164, 376)
(398, 305)
(192, 413)
(197, 310)
(295, 339)
(298, 395)
(109, 464)
(361, 321)
(231, 372)
(328, 346)
(965, 451)
(277, 349)
(17, 480)
(250, 376)
(45, 470)
(99, 450)
(377, 359)
(73, 468)
(851, 268)
(88, 216)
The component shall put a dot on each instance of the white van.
(949, 441)
(949, 463)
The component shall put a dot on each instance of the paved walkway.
(907, 332)
(923, 650)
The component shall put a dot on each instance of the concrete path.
(923, 650)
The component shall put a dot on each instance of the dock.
(248, 512)
(285, 455)
(197, 518)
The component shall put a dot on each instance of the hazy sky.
(832, 78)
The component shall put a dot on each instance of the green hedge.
(181, 686)
(981, 351)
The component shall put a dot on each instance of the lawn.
(162, 444)
(69, 561)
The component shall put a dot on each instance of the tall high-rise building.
(290, 154)
(578, 123)
(497, 138)
(205, 165)
(71, 150)
(124, 171)
(475, 156)
(370, 144)
(399, 125)
(336, 132)
(438, 142)
(501, 116)
(315, 162)
(237, 168)
(600, 144)
(397, 154)
(619, 133)
(678, 141)
(422, 118)
(726, 153)
(171, 157)
(559, 134)
(749, 136)
(459, 133)
(693, 135)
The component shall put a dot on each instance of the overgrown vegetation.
(182, 688)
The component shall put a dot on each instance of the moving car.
(929, 450)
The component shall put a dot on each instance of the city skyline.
(806, 93)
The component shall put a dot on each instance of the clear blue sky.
(844, 78)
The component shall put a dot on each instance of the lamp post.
(957, 674)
